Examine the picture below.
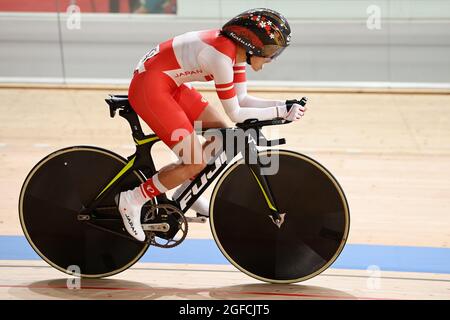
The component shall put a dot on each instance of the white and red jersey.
(209, 56)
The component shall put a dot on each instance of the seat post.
(133, 121)
(122, 104)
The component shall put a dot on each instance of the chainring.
(166, 214)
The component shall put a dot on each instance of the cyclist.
(160, 94)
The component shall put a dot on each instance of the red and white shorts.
(163, 105)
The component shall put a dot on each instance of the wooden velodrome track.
(389, 151)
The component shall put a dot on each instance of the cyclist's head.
(262, 32)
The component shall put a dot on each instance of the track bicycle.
(283, 227)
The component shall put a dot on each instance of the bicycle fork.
(276, 217)
(251, 152)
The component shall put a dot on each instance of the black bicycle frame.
(142, 161)
(220, 161)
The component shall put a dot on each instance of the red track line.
(198, 291)
(312, 296)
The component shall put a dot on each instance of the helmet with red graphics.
(262, 32)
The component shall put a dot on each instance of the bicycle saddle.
(118, 102)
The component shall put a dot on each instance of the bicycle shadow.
(262, 291)
(116, 289)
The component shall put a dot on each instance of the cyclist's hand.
(296, 112)
(292, 112)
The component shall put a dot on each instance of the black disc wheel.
(316, 221)
(56, 190)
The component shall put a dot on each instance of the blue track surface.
(205, 251)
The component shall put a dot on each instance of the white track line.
(254, 83)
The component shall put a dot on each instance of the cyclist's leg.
(202, 114)
(206, 117)
(211, 118)
(168, 119)
(189, 150)
(197, 108)
(191, 162)
(152, 97)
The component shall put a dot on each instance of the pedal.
(196, 219)
(83, 217)
(160, 227)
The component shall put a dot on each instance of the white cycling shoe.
(131, 214)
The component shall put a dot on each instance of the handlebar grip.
(301, 102)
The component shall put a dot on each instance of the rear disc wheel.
(56, 190)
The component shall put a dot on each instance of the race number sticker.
(140, 66)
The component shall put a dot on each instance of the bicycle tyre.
(314, 232)
(52, 195)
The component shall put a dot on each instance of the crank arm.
(161, 227)
(196, 219)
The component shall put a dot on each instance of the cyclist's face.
(259, 62)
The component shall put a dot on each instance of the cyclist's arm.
(238, 114)
(221, 67)
(246, 100)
